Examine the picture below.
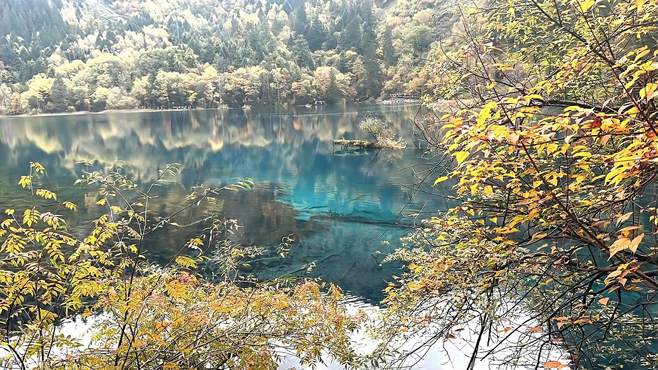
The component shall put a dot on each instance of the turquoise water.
(345, 209)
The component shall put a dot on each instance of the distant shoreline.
(151, 110)
(92, 113)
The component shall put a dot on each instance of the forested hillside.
(77, 55)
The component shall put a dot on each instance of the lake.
(345, 209)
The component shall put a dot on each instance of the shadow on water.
(346, 210)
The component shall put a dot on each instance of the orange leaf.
(535, 329)
(554, 365)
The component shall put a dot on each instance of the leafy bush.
(142, 315)
(381, 133)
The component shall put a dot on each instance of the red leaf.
(596, 123)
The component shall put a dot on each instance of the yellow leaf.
(626, 231)
(186, 262)
(624, 243)
(25, 181)
(30, 217)
(37, 167)
(635, 243)
(415, 268)
(70, 205)
(623, 218)
(485, 113)
(415, 286)
(538, 236)
(583, 154)
(46, 194)
(648, 91)
(440, 180)
(461, 156)
(616, 175)
(586, 5)
(604, 301)
(101, 202)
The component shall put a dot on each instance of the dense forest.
(66, 55)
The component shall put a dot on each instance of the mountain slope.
(100, 54)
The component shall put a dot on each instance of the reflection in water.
(346, 209)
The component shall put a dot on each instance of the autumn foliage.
(140, 315)
(554, 147)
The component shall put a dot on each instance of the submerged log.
(400, 224)
(364, 144)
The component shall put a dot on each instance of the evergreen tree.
(58, 96)
(369, 50)
(301, 51)
(350, 38)
(31, 29)
(388, 52)
(333, 92)
(316, 35)
(299, 19)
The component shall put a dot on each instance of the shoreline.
(151, 110)
(107, 111)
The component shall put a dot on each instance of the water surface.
(345, 209)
